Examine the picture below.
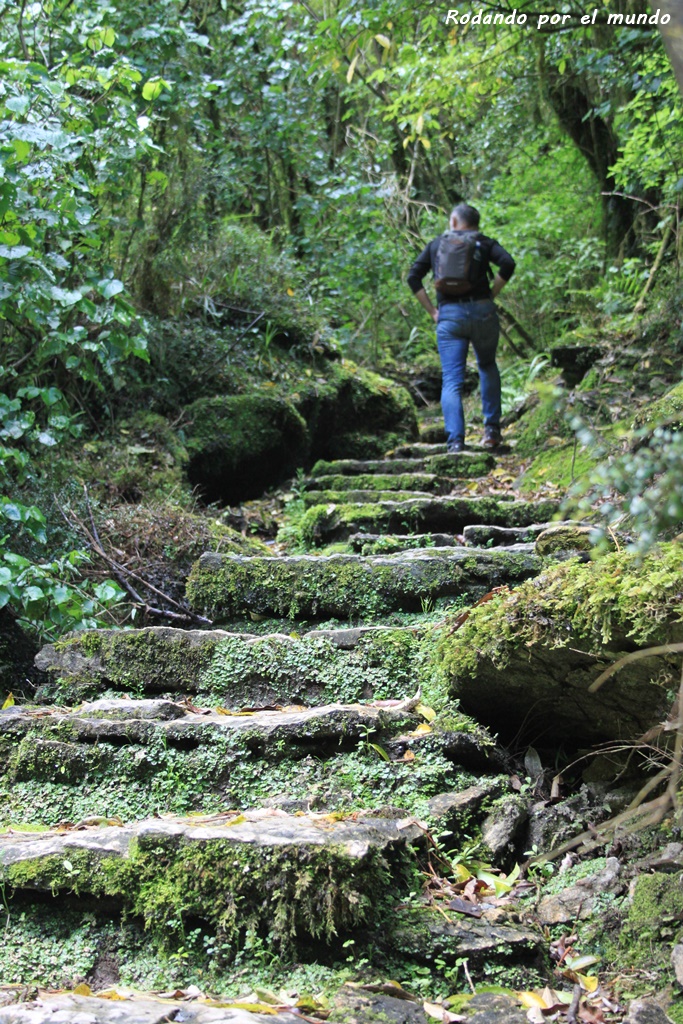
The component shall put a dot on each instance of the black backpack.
(459, 262)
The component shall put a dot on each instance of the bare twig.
(572, 1012)
(647, 652)
(124, 575)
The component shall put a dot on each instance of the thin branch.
(647, 652)
(20, 27)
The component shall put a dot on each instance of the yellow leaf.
(419, 124)
(290, 291)
(236, 821)
(462, 873)
(406, 142)
(82, 990)
(9, 703)
(251, 1007)
(422, 729)
(434, 1010)
(426, 712)
(409, 756)
(112, 995)
(425, 142)
(383, 41)
(352, 68)
(531, 999)
(588, 982)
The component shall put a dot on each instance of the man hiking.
(460, 261)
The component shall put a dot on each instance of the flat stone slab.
(426, 483)
(122, 721)
(480, 535)
(294, 877)
(420, 450)
(67, 1008)
(236, 670)
(389, 543)
(463, 464)
(309, 586)
(334, 521)
(357, 497)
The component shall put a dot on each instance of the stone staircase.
(176, 798)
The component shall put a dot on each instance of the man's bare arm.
(497, 286)
(425, 301)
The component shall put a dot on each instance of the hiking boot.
(455, 446)
(491, 438)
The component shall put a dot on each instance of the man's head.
(464, 218)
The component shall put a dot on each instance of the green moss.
(288, 894)
(545, 420)
(667, 409)
(617, 594)
(653, 923)
(384, 482)
(322, 523)
(342, 586)
(558, 467)
(348, 496)
(241, 444)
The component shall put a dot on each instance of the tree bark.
(672, 34)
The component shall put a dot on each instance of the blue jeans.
(459, 324)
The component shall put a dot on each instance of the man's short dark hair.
(466, 214)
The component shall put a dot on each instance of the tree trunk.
(672, 34)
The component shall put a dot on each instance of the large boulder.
(242, 444)
(527, 658)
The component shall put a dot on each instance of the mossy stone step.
(479, 535)
(235, 670)
(425, 482)
(310, 586)
(387, 543)
(358, 497)
(291, 877)
(71, 1008)
(291, 732)
(326, 523)
(417, 450)
(463, 464)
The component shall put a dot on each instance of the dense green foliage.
(190, 190)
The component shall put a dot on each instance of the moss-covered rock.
(323, 524)
(347, 585)
(529, 656)
(382, 482)
(236, 670)
(287, 878)
(653, 922)
(242, 444)
(464, 464)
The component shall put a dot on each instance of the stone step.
(235, 670)
(358, 497)
(479, 535)
(294, 878)
(417, 450)
(326, 523)
(291, 732)
(464, 464)
(313, 586)
(387, 543)
(432, 433)
(374, 482)
(73, 1008)
(133, 758)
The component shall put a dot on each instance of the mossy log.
(306, 586)
(326, 523)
